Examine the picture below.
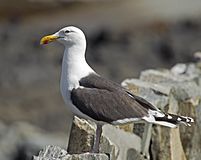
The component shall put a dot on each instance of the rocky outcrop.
(176, 91)
(114, 141)
(56, 153)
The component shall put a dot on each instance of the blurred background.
(124, 37)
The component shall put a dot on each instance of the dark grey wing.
(143, 102)
(96, 81)
(107, 106)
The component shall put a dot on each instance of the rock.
(114, 141)
(197, 55)
(81, 137)
(176, 91)
(122, 142)
(132, 154)
(183, 142)
(179, 69)
(56, 153)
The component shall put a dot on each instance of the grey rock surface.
(82, 136)
(56, 153)
(176, 91)
(114, 142)
(122, 142)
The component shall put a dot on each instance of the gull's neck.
(74, 67)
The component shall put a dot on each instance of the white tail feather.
(166, 124)
(168, 120)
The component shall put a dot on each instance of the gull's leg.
(95, 148)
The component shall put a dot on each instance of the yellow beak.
(48, 39)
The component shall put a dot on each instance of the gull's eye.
(66, 31)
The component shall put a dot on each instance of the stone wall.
(178, 91)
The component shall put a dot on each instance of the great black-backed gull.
(90, 96)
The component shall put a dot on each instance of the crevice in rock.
(150, 152)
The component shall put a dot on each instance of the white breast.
(74, 68)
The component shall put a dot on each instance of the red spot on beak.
(46, 42)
